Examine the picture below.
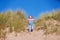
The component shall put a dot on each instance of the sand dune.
(36, 35)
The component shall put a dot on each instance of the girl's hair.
(29, 17)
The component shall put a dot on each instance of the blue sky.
(32, 7)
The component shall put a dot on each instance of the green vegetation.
(49, 22)
(14, 21)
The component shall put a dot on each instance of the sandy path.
(36, 35)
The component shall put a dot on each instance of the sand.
(35, 35)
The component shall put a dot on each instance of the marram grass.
(14, 21)
(49, 22)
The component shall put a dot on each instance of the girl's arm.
(28, 21)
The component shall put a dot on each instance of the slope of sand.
(36, 35)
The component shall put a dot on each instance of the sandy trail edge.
(35, 35)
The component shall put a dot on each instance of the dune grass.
(49, 22)
(15, 21)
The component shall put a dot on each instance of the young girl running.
(30, 23)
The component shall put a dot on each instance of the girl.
(30, 23)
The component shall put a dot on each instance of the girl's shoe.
(31, 30)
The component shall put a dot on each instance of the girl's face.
(30, 17)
